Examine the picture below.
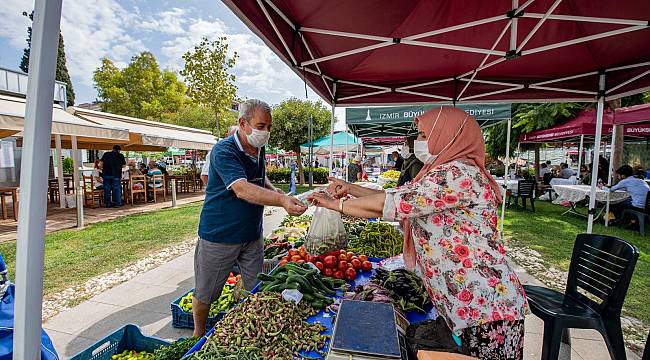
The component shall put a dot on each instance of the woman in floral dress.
(449, 216)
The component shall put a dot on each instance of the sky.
(120, 29)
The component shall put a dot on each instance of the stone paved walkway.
(145, 301)
(59, 219)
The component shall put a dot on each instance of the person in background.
(399, 161)
(565, 172)
(316, 164)
(543, 170)
(97, 175)
(585, 175)
(639, 172)
(354, 170)
(412, 165)
(449, 217)
(112, 177)
(133, 170)
(637, 188)
(143, 169)
(151, 183)
(230, 226)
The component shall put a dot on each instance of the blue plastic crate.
(185, 320)
(128, 337)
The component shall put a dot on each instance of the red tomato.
(293, 252)
(285, 258)
(343, 265)
(342, 252)
(350, 266)
(350, 274)
(320, 266)
(329, 272)
(354, 257)
(363, 258)
(339, 275)
(343, 256)
(330, 261)
(356, 264)
(282, 262)
(349, 255)
(300, 261)
(295, 258)
(366, 266)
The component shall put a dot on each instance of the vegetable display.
(223, 303)
(133, 355)
(406, 288)
(299, 255)
(275, 249)
(291, 235)
(215, 352)
(353, 227)
(389, 185)
(268, 323)
(175, 350)
(342, 264)
(315, 288)
(378, 239)
(297, 221)
(369, 292)
(391, 175)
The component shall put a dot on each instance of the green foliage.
(61, 67)
(283, 175)
(209, 82)
(68, 166)
(140, 90)
(530, 117)
(200, 117)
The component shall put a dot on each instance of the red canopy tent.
(584, 124)
(383, 52)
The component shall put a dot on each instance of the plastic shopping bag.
(326, 233)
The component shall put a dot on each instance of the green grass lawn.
(553, 234)
(74, 256)
(299, 188)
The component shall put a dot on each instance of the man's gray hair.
(248, 108)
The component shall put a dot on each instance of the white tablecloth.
(559, 181)
(575, 193)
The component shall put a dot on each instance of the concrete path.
(145, 301)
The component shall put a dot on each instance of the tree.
(200, 117)
(209, 82)
(140, 90)
(61, 67)
(291, 123)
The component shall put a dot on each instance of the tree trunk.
(301, 172)
(617, 158)
(216, 116)
(536, 161)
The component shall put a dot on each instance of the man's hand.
(338, 188)
(293, 206)
(279, 191)
(322, 199)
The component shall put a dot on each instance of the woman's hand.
(338, 188)
(324, 200)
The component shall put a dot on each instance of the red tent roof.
(422, 51)
(633, 114)
(583, 124)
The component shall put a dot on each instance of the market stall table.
(576, 193)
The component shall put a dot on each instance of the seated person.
(133, 171)
(96, 175)
(143, 169)
(637, 188)
(565, 172)
(151, 184)
(543, 170)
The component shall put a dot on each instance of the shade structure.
(397, 121)
(583, 124)
(151, 135)
(420, 51)
(343, 142)
(633, 114)
(12, 114)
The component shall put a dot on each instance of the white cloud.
(13, 25)
(166, 22)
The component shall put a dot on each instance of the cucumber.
(265, 277)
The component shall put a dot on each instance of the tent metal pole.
(345, 160)
(517, 158)
(505, 177)
(59, 170)
(580, 148)
(594, 170)
(33, 181)
(609, 172)
(78, 183)
(332, 142)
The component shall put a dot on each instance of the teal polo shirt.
(225, 218)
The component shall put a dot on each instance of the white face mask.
(406, 151)
(258, 138)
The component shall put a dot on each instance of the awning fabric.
(397, 121)
(12, 113)
(341, 144)
(420, 51)
(637, 130)
(583, 124)
(632, 114)
(151, 135)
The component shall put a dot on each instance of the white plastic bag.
(326, 233)
(70, 201)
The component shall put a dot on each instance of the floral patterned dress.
(453, 213)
